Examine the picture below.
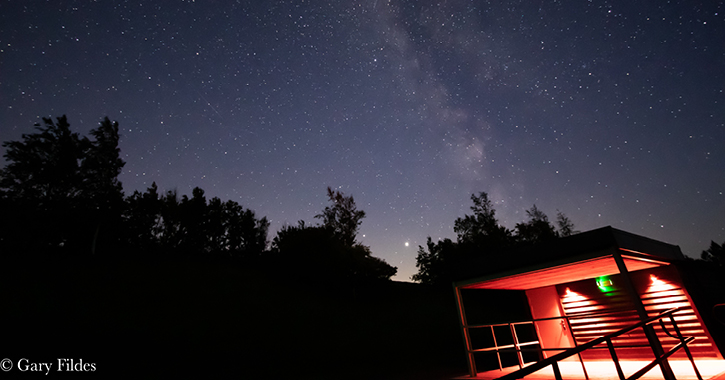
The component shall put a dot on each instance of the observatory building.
(603, 304)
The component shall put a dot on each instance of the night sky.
(612, 112)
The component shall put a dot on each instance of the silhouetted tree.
(60, 192)
(142, 220)
(63, 187)
(45, 165)
(715, 254)
(169, 230)
(246, 235)
(216, 224)
(313, 248)
(482, 228)
(434, 264)
(317, 251)
(193, 222)
(342, 218)
(537, 229)
(101, 167)
(330, 249)
(479, 236)
(566, 226)
(165, 224)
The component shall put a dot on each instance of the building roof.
(585, 255)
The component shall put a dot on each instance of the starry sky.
(612, 112)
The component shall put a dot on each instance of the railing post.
(516, 345)
(687, 349)
(615, 359)
(466, 334)
(557, 372)
(579, 354)
(495, 344)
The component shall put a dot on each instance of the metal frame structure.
(659, 359)
(517, 346)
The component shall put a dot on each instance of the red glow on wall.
(576, 303)
(594, 313)
(663, 291)
(662, 295)
(570, 296)
(658, 285)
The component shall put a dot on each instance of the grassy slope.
(138, 317)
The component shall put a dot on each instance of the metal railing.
(553, 360)
(518, 346)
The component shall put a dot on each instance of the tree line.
(60, 194)
(480, 235)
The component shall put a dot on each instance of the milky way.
(611, 112)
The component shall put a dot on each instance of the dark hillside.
(186, 316)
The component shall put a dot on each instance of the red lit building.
(581, 288)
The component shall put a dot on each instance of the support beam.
(649, 332)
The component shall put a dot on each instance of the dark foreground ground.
(151, 318)
(191, 318)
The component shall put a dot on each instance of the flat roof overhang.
(576, 269)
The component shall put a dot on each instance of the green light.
(605, 284)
